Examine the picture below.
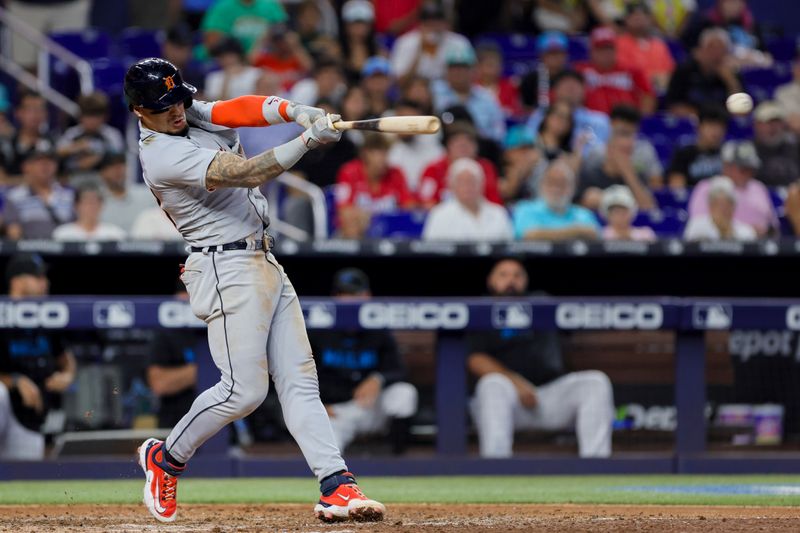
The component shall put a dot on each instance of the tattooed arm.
(230, 170)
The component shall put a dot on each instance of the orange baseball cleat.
(160, 487)
(342, 500)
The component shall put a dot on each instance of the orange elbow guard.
(250, 111)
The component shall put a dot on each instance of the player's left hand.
(306, 115)
(367, 392)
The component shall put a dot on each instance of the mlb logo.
(320, 316)
(712, 316)
(114, 314)
(512, 316)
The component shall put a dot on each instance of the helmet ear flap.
(187, 103)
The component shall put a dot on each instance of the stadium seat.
(783, 48)
(667, 133)
(665, 223)
(761, 83)
(137, 43)
(677, 50)
(90, 43)
(518, 49)
(108, 75)
(400, 224)
(330, 204)
(671, 199)
(578, 48)
(740, 128)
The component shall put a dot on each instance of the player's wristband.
(288, 154)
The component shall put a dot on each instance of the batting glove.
(322, 131)
(305, 115)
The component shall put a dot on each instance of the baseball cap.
(741, 153)
(603, 36)
(375, 65)
(25, 264)
(460, 55)
(767, 111)
(180, 35)
(40, 153)
(431, 11)
(358, 11)
(722, 185)
(517, 136)
(552, 41)
(350, 281)
(617, 196)
(635, 6)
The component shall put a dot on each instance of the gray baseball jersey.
(174, 168)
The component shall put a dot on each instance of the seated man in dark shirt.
(35, 368)
(360, 375)
(522, 384)
(172, 372)
(693, 163)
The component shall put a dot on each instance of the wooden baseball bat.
(407, 125)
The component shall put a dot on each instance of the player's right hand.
(30, 394)
(323, 132)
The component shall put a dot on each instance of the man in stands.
(620, 164)
(719, 223)
(706, 78)
(122, 201)
(461, 140)
(361, 375)
(776, 146)
(411, 153)
(522, 383)
(31, 118)
(754, 206)
(458, 88)
(535, 87)
(467, 216)
(87, 225)
(35, 368)
(368, 185)
(35, 208)
(553, 216)
(639, 47)
(701, 160)
(607, 83)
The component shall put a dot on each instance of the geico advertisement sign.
(373, 315)
(33, 314)
(178, 315)
(793, 317)
(609, 316)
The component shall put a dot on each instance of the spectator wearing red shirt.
(489, 72)
(461, 141)
(640, 47)
(608, 84)
(369, 185)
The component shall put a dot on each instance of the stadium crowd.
(563, 119)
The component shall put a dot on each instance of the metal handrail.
(318, 208)
(35, 84)
(49, 46)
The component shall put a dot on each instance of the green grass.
(475, 489)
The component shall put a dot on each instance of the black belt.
(243, 244)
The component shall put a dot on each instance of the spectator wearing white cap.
(357, 40)
(776, 146)
(423, 51)
(458, 88)
(754, 206)
(788, 97)
(618, 207)
(467, 216)
(719, 223)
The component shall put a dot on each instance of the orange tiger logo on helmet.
(169, 82)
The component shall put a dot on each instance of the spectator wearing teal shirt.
(553, 216)
(245, 20)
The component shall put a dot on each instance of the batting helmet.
(156, 84)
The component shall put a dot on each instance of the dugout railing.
(451, 318)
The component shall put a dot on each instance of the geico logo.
(34, 315)
(609, 316)
(746, 344)
(425, 316)
(793, 317)
(177, 315)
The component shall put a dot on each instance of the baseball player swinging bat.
(407, 125)
(194, 165)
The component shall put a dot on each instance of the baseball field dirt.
(434, 518)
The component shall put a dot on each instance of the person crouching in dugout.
(522, 384)
(360, 375)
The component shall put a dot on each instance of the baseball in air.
(739, 103)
